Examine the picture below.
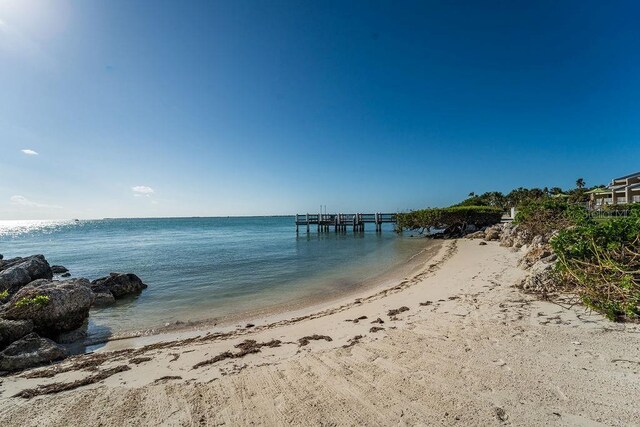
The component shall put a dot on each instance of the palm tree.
(580, 183)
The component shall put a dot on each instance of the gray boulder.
(73, 336)
(13, 278)
(30, 351)
(18, 272)
(102, 294)
(12, 330)
(120, 284)
(53, 306)
(59, 269)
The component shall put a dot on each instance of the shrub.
(38, 300)
(456, 216)
(600, 261)
(4, 294)
(542, 217)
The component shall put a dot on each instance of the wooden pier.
(341, 222)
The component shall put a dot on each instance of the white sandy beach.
(471, 349)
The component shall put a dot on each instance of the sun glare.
(33, 18)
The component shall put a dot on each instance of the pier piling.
(341, 222)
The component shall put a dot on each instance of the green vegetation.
(544, 216)
(455, 216)
(598, 257)
(520, 196)
(4, 294)
(38, 300)
(600, 262)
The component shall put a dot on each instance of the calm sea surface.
(204, 268)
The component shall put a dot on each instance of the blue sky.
(165, 108)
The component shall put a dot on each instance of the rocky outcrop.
(120, 284)
(18, 272)
(34, 308)
(30, 351)
(12, 330)
(53, 306)
(508, 234)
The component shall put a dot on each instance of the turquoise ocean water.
(206, 268)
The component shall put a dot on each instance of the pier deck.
(341, 222)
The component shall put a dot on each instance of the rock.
(102, 294)
(506, 238)
(59, 269)
(506, 241)
(549, 259)
(30, 351)
(476, 235)
(121, 284)
(491, 234)
(73, 336)
(541, 279)
(538, 241)
(39, 282)
(535, 254)
(18, 272)
(13, 278)
(65, 309)
(12, 330)
(513, 236)
(483, 243)
(67, 274)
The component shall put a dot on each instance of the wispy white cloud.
(23, 201)
(29, 152)
(142, 190)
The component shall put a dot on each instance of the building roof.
(598, 191)
(627, 176)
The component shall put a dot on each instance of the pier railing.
(341, 222)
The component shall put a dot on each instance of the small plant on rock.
(38, 300)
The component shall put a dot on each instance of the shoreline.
(457, 343)
(299, 307)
